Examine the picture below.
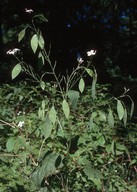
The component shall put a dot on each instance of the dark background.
(75, 27)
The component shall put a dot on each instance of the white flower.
(91, 52)
(19, 113)
(20, 124)
(12, 51)
(28, 10)
(80, 60)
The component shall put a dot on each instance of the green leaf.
(41, 113)
(21, 35)
(91, 121)
(41, 17)
(52, 115)
(10, 144)
(113, 147)
(17, 145)
(120, 109)
(41, 60)
(66, 109)
(45, 170)
(90, 72)
(93, 88)
(91, 172)
(94, 115)
(46, 128)
(42, 85)
(121, 147)
(134, 161)
(44, 189)
(102, 116)
(81, 85)
(41, 42)
(110, 119)
(98, 183)
(101, 141)
(73, 96)
(34, 42)
(43, 104)
(132, 108)
(93, 74)
(16, 71)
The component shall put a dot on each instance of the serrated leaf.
(66, 109)
(21, 34)
(52, 115)
(81, 85)
(34, 42)
(16, 71)
(111, 119)
(120, 109)
(73, 96)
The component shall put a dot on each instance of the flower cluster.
(13, 51)
(80, 60)
(28, 10)
(20, 124)
(91, 52)
(20, 112)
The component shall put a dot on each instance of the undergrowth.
(56, 138)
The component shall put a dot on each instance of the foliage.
(62, 135)
(100, 24)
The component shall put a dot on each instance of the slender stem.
(53, 71)
(41, 147)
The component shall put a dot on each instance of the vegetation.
(108, 26)
(63, 135)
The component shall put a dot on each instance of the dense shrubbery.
(57, 138)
